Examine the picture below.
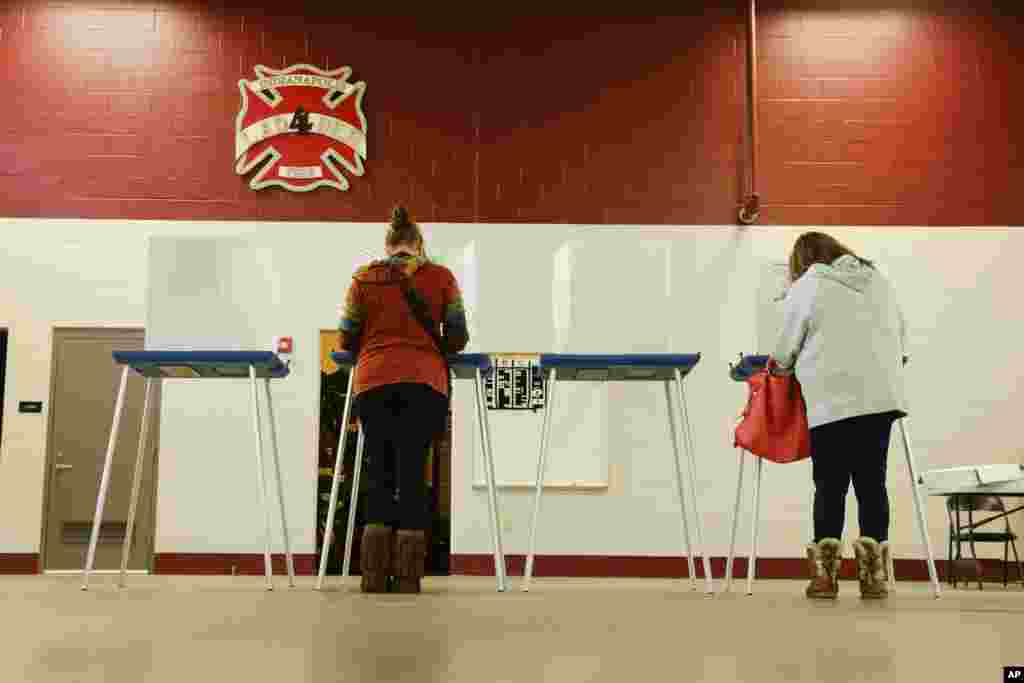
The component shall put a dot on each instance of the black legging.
(852, 449)
(399, 421)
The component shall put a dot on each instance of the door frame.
(50, 456)
(5, 330)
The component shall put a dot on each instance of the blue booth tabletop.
(618, 367)
(203, 364)
(463, 365)
(747, 366)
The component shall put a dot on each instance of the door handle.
(61, 465)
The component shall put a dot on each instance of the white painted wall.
(632, 290)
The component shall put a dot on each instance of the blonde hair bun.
(403, 230)
(400, 218)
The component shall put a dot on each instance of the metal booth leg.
(492, 485)
(974, 549)
(339, 461)
(353, 500)
(1006, 559)
(289, 561)
(756, 513)
(922, 524)
(136, 482)
(892, 571)
(688, 435)
(735, 523)
(678, 470)
(959, 543)
(1016, 560)
(257, 427)
(545, 436)
(101, 498)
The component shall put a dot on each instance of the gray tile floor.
(198, 629)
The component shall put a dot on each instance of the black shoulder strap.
(419, 311)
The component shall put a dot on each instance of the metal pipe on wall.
(751, 209)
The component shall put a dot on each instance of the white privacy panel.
(461, 259)
(561, 296)
(610, 293)
(219, 292)
(512, 306)
(771, 290)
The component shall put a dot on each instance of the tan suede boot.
(823, 560)
(408, 556)
(375, 558)
(872, 568)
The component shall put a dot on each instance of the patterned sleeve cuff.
(456, 331)
(455, 314)
(352, 312)
(350, 326)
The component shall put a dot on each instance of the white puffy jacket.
(844, 335)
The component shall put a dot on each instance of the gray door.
(84, 387)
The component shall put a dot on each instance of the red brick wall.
(908, 116)
(891, 116)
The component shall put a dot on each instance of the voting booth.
(515, 385)
(467, 366)
(669, 369)
(754, 363)
(197, 331)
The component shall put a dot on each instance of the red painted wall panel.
(892, 113)
(896, 113)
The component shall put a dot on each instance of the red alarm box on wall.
(283, 347)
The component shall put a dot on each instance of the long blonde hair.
(817, 247)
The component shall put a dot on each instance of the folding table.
(647, 367)
(472, 366)
(1002, 480)
(747, 366)
(156, 366)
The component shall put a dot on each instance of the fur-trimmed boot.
(872, 568)
(823, 560)
(408, 556)
(375, 558)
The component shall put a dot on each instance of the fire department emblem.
(302, 126)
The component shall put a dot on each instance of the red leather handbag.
(774, 423)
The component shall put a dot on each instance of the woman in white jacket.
(844, 336)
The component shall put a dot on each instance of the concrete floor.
(199, 629)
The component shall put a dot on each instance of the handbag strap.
(422, 316)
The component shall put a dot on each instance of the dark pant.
(399, 421)
(851, 449)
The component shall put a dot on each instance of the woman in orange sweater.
(402, 316)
